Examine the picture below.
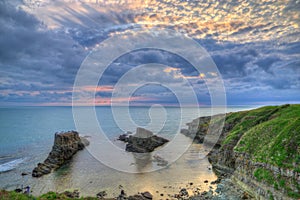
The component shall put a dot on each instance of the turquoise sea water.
(27, 133)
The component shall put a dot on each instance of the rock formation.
(144, 141)
(66, 144)
(259, 151)
(142, 196)
(195, 131)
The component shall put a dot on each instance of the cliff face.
(66, 144)
(260, 149)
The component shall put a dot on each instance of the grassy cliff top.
(269, 134)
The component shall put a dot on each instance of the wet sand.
(90, 176)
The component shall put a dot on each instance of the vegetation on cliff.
(262, 146)
(270, 134)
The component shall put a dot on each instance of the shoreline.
(237, 172)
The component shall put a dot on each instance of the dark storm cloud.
(33, 58)
(256, 52)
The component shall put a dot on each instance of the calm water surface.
(26, 138)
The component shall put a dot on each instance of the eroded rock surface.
(66, 144)
(249, 153)
(144, 141)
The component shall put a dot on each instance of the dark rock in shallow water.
(143, 141)
(123, 138)
(183, 192)
(101, 194)
(147, 195)
(143, 196)
(66, 144)
(160, 161)
(72, 195)
(24, 173)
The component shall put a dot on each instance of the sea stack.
(144, 141)
(66, 144)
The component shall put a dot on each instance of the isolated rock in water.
(66, 144)
(144, 141)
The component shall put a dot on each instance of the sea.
(27, 136)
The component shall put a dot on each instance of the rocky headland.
(66, 144)
(258, 151)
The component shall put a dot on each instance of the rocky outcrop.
(66, 144)
(144, 141)
(197, 129)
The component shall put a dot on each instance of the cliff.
(66, 144)
(259, 149)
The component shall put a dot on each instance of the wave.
(10, 165)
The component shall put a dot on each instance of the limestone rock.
(197, 129)
(66, 144)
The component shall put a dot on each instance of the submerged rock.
(144, 141)
(66, 144)
(160, 161)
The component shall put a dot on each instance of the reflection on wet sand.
(90, 176)
(143, 161)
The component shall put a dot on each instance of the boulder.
(143, 196)
(72, 195)
(101, 194)
(147, 195)
(66, 144)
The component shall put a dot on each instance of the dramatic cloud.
(34, 61)
(255, 45)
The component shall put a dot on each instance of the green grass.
(268, 135)
(264, 175)
(5, 195)
(293, 194)
(275, 141)
(11, 195)
(244, 121)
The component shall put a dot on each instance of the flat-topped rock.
(144, 141)
(66, 144)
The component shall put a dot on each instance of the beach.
(84, 172)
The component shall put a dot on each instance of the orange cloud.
(107, 101)
(106, 88)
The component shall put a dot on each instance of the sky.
(255, 46)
